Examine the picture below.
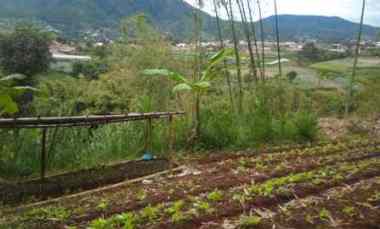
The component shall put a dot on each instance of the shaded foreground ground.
(333, 185)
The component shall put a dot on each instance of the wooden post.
(43, 154)
(150, 128)
(171, 139)
(148, 136)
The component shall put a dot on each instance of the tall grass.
(75, 148)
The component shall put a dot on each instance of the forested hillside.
(73, 18)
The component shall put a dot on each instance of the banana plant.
(197, 87)
(9, 92)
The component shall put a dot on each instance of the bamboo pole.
(350, 93)
(278, 39)
(43, 154)
(72, 121)
(171, 137)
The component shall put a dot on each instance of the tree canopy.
(25, 50)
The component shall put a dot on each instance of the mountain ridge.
(77, 17)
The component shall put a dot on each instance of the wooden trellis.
(44, 123)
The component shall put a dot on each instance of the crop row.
(242, 175)
(190, 212)
(239, 176)
(351, 206)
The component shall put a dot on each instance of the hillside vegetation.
(75, 18)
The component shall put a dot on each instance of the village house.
(64, 57)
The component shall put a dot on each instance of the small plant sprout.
(249, 221)
(176, 211)
(125, 220)
(100, 223)
(215, 196)
(51, 213)
(324, 214)
(151, 213)
(349, 211)
(203, 206)
(103, 205)
(375, 197)
(141, 195)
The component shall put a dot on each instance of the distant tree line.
(311, 53)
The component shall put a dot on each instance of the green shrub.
(307, 126)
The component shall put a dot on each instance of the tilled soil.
(227, 173)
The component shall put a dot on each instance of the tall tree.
(25, 51)
(278, 39)
(356, 58)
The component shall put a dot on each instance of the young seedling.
(349, 211)
(103, 205)
(215, 196)
(176, 211)
(325, 214)
(249, 221)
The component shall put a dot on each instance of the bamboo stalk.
(222, 46)
(356, 59)
(278, 39)
(262, 37)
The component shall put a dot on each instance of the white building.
(64, 62)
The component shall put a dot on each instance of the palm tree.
(356, 58)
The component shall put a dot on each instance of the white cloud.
(349, 9)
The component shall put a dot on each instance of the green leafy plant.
(8, 92)
(151, 213)
(51, 213)
(249, 221)
(100, 223)
(176, 211)
(197, 86)
(350, 211)
(324, 214)
(375, 197)
(203, 206)
(125, 220)
(141, 195)
(215, 196)
(103, 205)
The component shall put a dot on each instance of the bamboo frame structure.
(73, 121)
(44, 123)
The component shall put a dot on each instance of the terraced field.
(334, 185)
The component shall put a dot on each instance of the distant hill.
(294, 27)
(76, 17)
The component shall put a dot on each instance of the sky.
(348, 9)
